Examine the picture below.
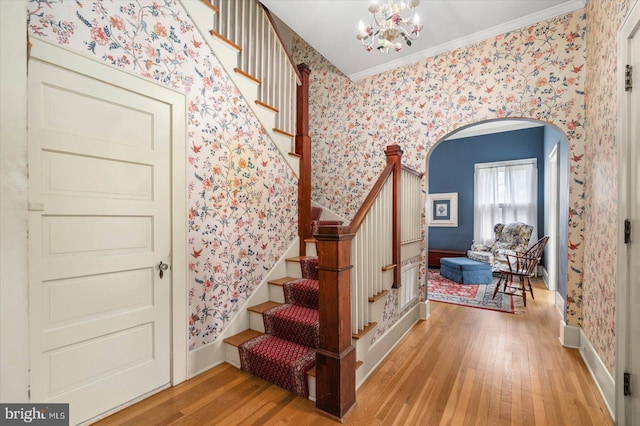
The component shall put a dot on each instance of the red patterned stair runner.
(286, 351)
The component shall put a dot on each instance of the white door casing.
(552, 253)
(100, 222)
(627, 410)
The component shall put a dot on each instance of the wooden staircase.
(256, 324)
(270, 88)
(276, 298)
(352, 306)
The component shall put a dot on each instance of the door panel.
(66, 174)
(99, 225)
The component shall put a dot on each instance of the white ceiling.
(330, 26)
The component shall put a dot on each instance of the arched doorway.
(497, 140)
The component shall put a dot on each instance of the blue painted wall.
(452, 166)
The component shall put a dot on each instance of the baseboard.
(424, 310)
(545, 276)
(599, 372)
(212, 354)
(559, 302)
(569, 335)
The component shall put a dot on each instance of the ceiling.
(330, 27)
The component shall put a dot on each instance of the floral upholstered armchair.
(513, 237)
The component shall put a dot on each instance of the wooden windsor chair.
(521, 266)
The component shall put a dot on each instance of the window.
(505, 192)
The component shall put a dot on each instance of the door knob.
(163, 267)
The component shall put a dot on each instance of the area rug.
(441, 289)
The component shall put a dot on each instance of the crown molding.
(515, 24)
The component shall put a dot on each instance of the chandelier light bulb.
(393, 23)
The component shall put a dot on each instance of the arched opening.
(450, 169)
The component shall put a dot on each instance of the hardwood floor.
(462, 366)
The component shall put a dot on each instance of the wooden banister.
(371, 198)
(393, 168)
(267, 12)
(379, 215)
(248, 27)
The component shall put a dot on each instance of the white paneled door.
(633, 246)
(99, 227)
(628, 289)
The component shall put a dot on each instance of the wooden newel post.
(394, 156)
(335, 357)
(303, 149)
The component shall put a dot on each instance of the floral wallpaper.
(535, 72)
(242, 196)
(604, 18)
(391, 312)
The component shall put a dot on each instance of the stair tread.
(281, 281)
(210, 6)
(245, 74)
(360, 334)
(310, 240)
(378, 295)
(240, 338)
(284, 133)
(260, 308)
(225, 40)
(298, 258)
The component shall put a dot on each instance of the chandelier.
(390, 27)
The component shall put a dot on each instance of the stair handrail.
(293, 65)
(361, 214)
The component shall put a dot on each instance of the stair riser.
(256, 322)
(275, 293)
(362, 344)
(312, 387)
(293, 270)
(311, 249)
(231, 355)
(376, 308)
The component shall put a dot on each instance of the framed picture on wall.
(443, 209)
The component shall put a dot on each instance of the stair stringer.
(212, 354)
(202, 18)
(374, 353)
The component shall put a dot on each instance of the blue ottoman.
(465, 271)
